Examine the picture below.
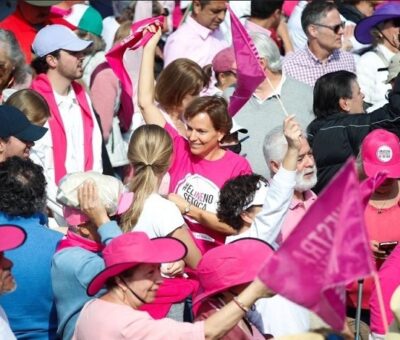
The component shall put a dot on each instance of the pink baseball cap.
(224, 61)
(230, 265)
(11, 236)
(132, 249)
(380, 151)
(75, 217)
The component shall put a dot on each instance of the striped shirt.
(304, 66)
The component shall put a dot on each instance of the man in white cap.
(29, 16)
(75, 141)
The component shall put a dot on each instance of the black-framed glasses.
(335, 28)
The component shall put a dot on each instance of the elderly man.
(17, 134)
(324, 29)
(10, 237)
(199, 37)
(263, 110)
(30, 308)
(274, 148)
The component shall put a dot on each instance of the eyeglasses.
(335, 28)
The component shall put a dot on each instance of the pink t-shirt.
(389, 277)
(199, 181)
(103, 320)
(382, 227)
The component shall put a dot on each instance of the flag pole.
(358, 311)
(278, 97)
(381, 303)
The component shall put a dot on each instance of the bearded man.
(274, 148)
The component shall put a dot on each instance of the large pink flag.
(249, 72)
(328, 249)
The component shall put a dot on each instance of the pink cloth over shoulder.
(199, 181)
(103, 320)
(42, 85)
(389, 276)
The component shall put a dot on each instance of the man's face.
(7, 282)
(306, 176)
(69, 64)
(211, 15)
(15, 147)
(327, 32)
(34, 15)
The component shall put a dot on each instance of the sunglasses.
(335, 28)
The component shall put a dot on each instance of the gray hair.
(275, 147)
(14, 53)
(267, 49)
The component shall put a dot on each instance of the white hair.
(275, 147)
(267, 49)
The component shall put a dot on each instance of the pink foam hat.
(11, 236)
(230, 265)
(380, 151)
(132, 249)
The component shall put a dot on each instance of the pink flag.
(327, 250)
(249, 72)
(133, 41)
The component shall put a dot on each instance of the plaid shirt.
(304, 66)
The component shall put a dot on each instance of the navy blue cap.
(14, 123)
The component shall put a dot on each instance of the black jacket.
(335, 138)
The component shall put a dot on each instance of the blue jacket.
(30, 308)
(72, 270)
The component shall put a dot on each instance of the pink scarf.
(42, 85)
(74, 240)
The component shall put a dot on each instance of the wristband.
(240, 305)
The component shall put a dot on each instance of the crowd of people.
(148, 213)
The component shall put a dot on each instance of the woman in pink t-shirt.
(200, 167)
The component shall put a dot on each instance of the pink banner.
(249, 72)
(135, 40)
(328, 249)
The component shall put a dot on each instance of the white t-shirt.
(5, 330)
(159, 217)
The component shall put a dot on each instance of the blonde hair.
(149, 153)
(32, 105)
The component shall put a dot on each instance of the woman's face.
(202, 136)
(6, 68)
(145, 281)
(390, 30)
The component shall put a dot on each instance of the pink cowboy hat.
(230, 265)
(131, 249)
(11, 236)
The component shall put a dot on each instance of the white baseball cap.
(259, 195)
(57, 37)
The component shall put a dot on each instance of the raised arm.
(268, 223)
(151, 113)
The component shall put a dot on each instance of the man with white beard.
(274, 149)
(257, 209)
(10, 237)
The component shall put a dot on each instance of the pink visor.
(11, 236)
(75, 217)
